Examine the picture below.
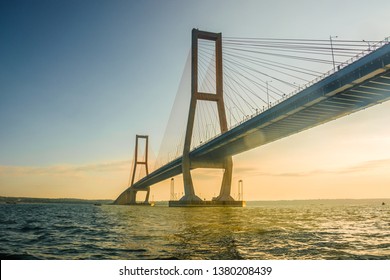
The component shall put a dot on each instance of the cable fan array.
(257, 74)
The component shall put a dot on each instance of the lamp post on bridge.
(368, 43)
(266, 83)
(331, 48)
(240, 190)
(172, 189)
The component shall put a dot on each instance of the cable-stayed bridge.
(228, 81)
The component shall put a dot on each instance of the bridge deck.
(359, 85)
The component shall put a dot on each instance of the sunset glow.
(78, 81)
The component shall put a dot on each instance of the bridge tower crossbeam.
(225, 163)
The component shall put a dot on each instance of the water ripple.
(266, 230)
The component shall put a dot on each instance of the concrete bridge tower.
(130, 195)
(225, 163)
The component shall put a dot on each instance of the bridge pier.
(129, 197)
(189, 191)
(226, 186)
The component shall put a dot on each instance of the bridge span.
(350, 88)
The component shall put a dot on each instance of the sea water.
(311, 229)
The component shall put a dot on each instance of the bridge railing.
(369, 50)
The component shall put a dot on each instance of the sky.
(79, 79)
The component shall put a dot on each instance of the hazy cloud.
(361, 167)
(201, 174)
(65, 169)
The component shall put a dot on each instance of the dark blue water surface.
(317, 229)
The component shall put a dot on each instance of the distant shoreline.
(13, 200)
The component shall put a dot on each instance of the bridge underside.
(362, 84)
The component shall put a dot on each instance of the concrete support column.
(147, 196)
(225, 191)
(131, 196)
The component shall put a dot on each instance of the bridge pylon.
(129, 197)
(225, 163)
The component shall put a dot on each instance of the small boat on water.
(10, 202)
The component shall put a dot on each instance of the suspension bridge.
(246, 92)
